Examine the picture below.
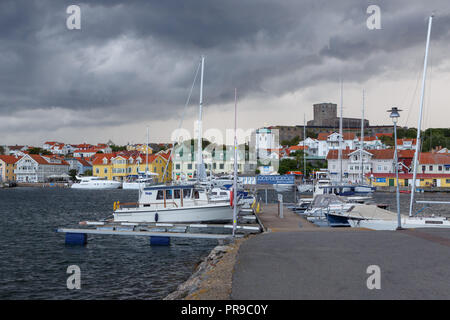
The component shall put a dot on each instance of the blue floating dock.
(159, 241)
(76, 238)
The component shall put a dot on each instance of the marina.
(283, 158)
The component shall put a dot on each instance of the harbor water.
(34, 258)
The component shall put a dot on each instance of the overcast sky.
(133, 62)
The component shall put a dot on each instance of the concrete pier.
(323, 264)
(290, 221)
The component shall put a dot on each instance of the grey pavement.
(414, 264)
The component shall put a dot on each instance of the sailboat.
(180, 203)
(382, 221)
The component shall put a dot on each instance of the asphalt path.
(413, 264)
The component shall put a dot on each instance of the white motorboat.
(307, 187)
(142, 180)
(173, 204)
(136, 184)
(279, 187)
(245, 199)
(96, 183)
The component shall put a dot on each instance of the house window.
(431, 168)
(97, 171)
(106, 170)
(447, 181)
(189, 166)
(440, 168)
(177, 166)
(221, 166)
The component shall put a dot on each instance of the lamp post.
(394, 116)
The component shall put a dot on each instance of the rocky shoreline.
(213, 276)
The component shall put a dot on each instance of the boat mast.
(200, 166)
(146, 158)
(416, 153)
(304, 151)
(235, 164)
(340, 137)
(362, 141)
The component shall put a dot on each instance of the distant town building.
(126, 165)
(7, 166)
(36, 168)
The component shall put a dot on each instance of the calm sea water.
(34, 258)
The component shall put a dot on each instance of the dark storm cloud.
(138, 58)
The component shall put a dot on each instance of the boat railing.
(153, 205)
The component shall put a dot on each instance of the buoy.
(115, 206)
(258, 208)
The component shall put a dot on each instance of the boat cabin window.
(160, 195)
(223, 193)
(196, 195)
(169, 194)
(177, 194)
(187, 193)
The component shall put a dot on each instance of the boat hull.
(101, 186)
(210, 213)
(411, 223)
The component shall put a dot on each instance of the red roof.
(92, 150)
(43, 160)
(434, 158)
(378, 135)
(83, 161)
(368, 138)
(402, 141)
(9, 159)
(346, 135)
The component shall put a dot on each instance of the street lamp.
(394, 116)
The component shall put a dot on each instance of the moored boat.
(96, 183)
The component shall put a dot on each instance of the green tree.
(72, 174)
(38, 150)
(88, 173)
(2, 150)
(115, 148)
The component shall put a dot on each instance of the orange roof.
(401, 141)
(334, 154)
(368, 138)
(98, 160)
(91, 150)
(41, 160)
(346, 135)
(9, 159)
(383, 135)
(292, 148)
(434, 158)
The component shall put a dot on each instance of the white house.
(374, 161)
(36, 168)
(330, 141)
(406, 144)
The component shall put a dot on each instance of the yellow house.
(128, 165)
(426, 180)
(7, 166)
